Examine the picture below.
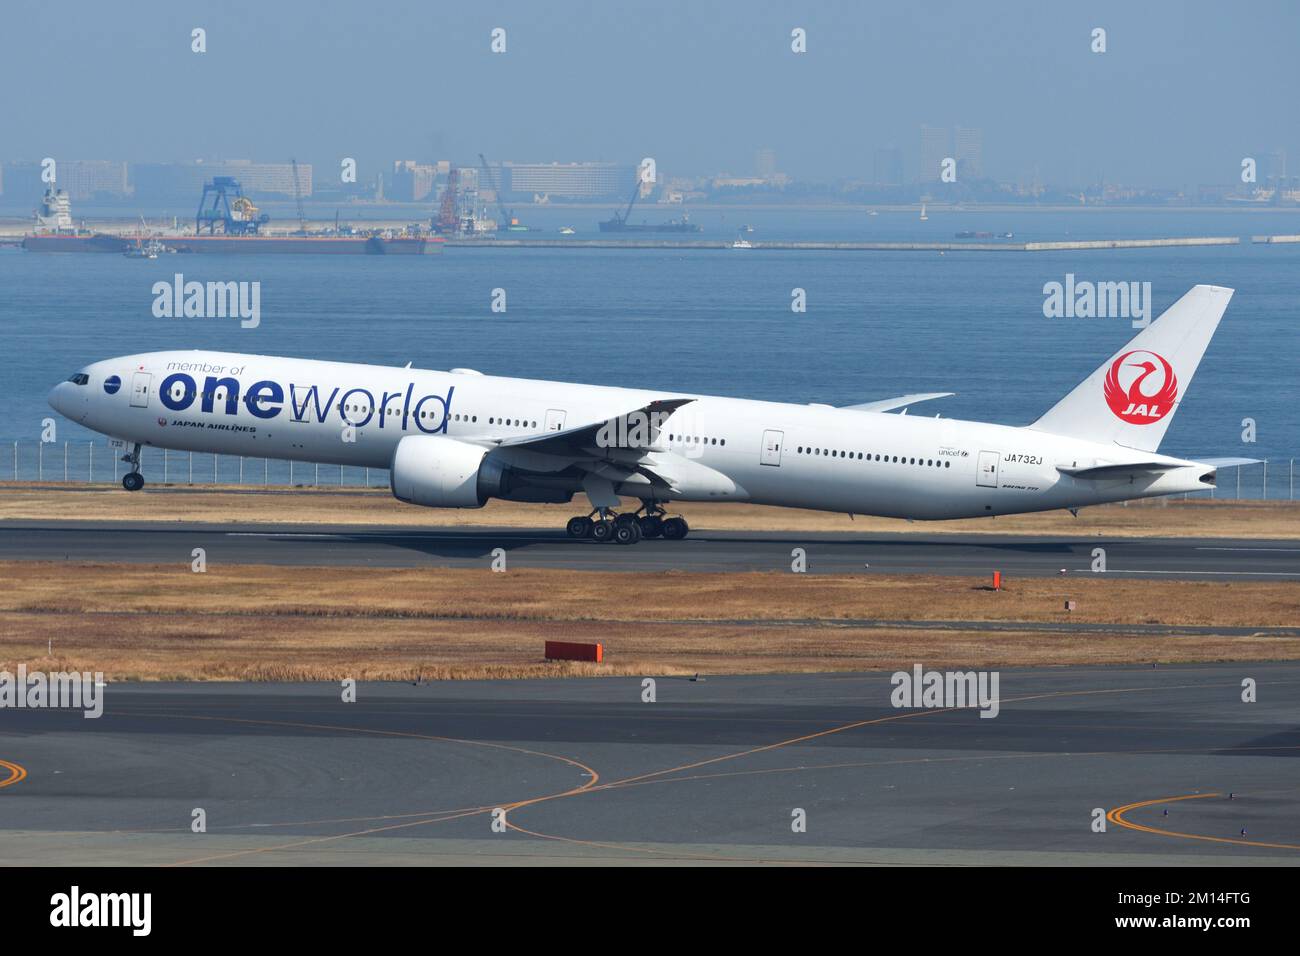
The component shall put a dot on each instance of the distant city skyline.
(414, 180)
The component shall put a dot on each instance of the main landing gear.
(133, 480)
(629, 527)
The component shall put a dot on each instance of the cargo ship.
(372, 245)
(227, 223)
(56, 232)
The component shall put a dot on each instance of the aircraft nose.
(58, 397)
(69, 400)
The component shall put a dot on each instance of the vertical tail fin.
(1132, 398)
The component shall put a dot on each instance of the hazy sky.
(1184, 91)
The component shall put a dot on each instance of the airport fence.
(89, 462)
(94, 462)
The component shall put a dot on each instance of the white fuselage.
(805, 456)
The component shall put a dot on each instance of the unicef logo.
(112, 384)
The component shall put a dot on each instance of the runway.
(711, 772)
(385, 546)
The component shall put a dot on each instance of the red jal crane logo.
(1131, 402)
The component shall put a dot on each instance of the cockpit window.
(81, 378)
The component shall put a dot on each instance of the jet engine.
(440, 472)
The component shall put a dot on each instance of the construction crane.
(448, 221)
(297, 196)
(230, 207)
(636, 191)
(507, 218)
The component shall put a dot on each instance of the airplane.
(458, 438)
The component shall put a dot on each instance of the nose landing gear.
(133, 480)
(629, 527)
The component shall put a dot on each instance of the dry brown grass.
(534, 594)
(277, 623)
(187, 647)
(226, 505)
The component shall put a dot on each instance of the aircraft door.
(987, 474)
(555, 419)
(140, 389)
(771, 450)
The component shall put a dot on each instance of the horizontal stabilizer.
(1227, 462)
(889, 404)
(1111, 472)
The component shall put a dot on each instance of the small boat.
(148, 250)
(567, 230)
(742, 244)
(924, 217)
(873, 213)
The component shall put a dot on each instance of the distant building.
(568, 180)
(1272, 166)
(173, 181)
(969, 145)
(80, 178)
(411, 181)
(765, 163)
(467, 177)
(936, 146)
(737, 182)
(887, 167)
(963, 144)
(93, 179)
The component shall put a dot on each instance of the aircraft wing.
(632, 429)
(888, 404)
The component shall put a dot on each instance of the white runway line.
(1283, 550)
(1249, 574)
(280, 534)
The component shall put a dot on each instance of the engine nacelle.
(440, 472)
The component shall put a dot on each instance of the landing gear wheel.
(579, 527)
(602, 531)
(674, 529)
(652, 526)
(627, 532)
(133, 481)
